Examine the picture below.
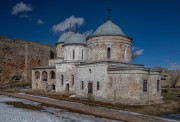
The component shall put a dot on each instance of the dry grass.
(24, 106)
(171, 94)
(169, 105)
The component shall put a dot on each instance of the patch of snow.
(9, 113)
(72, 96)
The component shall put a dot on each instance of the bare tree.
(175, 78)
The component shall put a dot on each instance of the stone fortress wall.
(17, 57)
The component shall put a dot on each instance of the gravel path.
(90, 110)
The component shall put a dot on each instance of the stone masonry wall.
(127, 87)
(120, 48)
(39, 84)
(17, 57)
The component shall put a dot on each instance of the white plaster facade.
(100, 68)
(79, 53)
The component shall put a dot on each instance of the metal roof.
(75, 38)
(108, 28)
(63, 37)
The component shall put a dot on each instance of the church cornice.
(100, 35)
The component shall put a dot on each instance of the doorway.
(67, 87)
(53, 87)
(90, 87)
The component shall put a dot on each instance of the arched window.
(108, 52)
(44, 76)
(111, 81)
(82, 54)
(73, 54)
(157, 85)
(90, 71)
(82, 85)
(62, 79)
(72, 79)
(37, 75)
(39, 62)
(65, 54)
(145, 85)
(125, 53)
(52, 75)
(51, 55)
(98, 85)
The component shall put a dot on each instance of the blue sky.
(153, 24)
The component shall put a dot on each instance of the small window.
(90, 71)
(157, 85)
(98, 85)
(62, 80)
(108, 53)
(145, 85)
(73, 54)
(72, 78)
(51, 55)
(82, 54)
(39, 62)
(82, 85)
(111, 82)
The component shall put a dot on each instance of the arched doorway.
(53, 87)
(36, 85)
(67, 87)
(44, 76)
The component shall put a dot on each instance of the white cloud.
(174, 66)
(40, 22)
(62, 26)
(135, 48)
(137, 52)
(87, 33)
(21, 7)
(25, 16)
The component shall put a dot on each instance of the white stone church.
(99, 67)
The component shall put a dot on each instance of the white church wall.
(67, 71)
(92, 73)
(79, 53)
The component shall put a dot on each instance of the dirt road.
(86, 109)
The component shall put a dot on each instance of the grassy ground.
(171, 94)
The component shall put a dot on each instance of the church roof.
(75, 38)
(108, 28)
(63, 37)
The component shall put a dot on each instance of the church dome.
(63, 37)
(75, 38)
(108, 28)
